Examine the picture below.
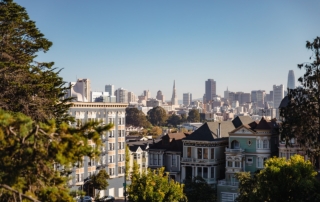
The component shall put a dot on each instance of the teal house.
(249, 146)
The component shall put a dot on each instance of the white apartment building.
(112, 157)
(278, 95)
(80, 90)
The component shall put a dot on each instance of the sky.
(147, 44)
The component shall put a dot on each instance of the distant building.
(153, 103)
(131, 97)
(147, 94)
(187, 99)
(258, 97)
(246, 98)
(278, 95)
(100, 96)
(210, 87)
(174, 99)
(109, 88)
(160, 96)
(122, 95)
(226, 94)
(80, 90)
(291, 80)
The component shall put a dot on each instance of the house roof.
(209, 130)
(176, 136)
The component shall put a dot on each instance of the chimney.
(219, 135)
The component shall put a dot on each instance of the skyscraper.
(210, 89)
(291, 80)
(278, 94)
(80, 90)
(109, 88)
(187, 99)
(122, 95)
(147, 94)
(160, 96)
(174, 99)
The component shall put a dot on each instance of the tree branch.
(17, 192)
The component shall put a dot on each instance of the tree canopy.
(27, 86)
(302, 113)
(157, 116)
(198, 190)
(154, 186)
(174, 120)
(30, 151)
(100, 181)
(281, 180)
(137, 118)
(194, 115)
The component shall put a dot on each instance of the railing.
(229, 183)
(195, 160)
(234, 150)
(210, 180)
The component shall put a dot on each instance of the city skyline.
(133, 44)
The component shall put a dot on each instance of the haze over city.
(145, 45)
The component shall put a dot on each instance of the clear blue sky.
(138, 45)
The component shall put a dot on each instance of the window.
(205, 172)
(199, 153)
(212, 153)
(119, 121)
(235, 144)
(212, 172)
(260, 162)
(174, 161)
(111, 146)
(229, 163)
(265, 144)
(189, 152)
(292, 140)
(249, 160)
(111, 159)
(159, 159)
(111, 133)
(111, 171)
(155, 159)
(259, 143)
(237, 164)
(199, 171)
(205, 153)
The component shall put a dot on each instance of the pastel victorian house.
(249, 146)
(204, 150)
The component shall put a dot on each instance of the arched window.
(265, 144)
(235, 144)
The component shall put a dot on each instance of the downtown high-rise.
(211, 87)
(291, 80)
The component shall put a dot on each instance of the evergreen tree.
(157, 116)
(194, 116)
(301, 116)
(27, 86)
(99, 181)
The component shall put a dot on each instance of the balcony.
(235, 150)
(227, 183)
(195, 160)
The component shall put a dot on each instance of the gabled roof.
(241, 120)
(176, 136)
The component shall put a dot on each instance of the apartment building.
(112, 157)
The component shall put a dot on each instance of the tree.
(127, 166)
(155, 131)
(198, 190)
(194, 115)
(281, 180)
(137, 118)
(157, 116)
(27, 86)
(37, 158)
(174, 120)
(302, 113)
(154, 186)
(184, 118)
(99, 181)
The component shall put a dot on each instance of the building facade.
(187, 99)
(110, 88)
(291, 80)
(112, 157)
(249, 146)
(278, 95)
(121, 95)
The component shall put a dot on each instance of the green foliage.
(198, 190)
(135, 117)
(301, 116)
(174, 120)
(29, 151)
(157, 116)
(154, 186)
(281, 180)
(33, 88)
(155, 131)
(127, 159)
(194, 115)
(99, 181)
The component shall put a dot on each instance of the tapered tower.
(291, 80)
(174, 99)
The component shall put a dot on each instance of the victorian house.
(204, 150)
(167, 153)
(248, 147)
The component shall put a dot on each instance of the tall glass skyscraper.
(291, 80)
(210, 90)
